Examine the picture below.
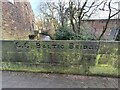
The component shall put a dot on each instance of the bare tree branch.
(109, 17)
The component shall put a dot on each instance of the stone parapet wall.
(71, 52)
(76, 57)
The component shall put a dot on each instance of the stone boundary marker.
(90, 47)
(58, 51)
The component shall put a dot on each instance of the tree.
(72, 14)
(61, 12)
(48, 10)
(110, 15)
(79, 10)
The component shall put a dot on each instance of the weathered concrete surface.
(38, 80)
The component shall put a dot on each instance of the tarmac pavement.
(42, 80)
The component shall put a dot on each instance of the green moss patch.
(51, 68)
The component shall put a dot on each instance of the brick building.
(17, 19)
(97, 26)
(119, 13)
(0, 19)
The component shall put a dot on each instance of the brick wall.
(119, 9)
(18, 20)
(119, 13)
(0, 19)
(99, 24)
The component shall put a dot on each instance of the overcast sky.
(35, 7)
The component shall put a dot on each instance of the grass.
(61, 69)
(105, 70)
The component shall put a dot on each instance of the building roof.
(99, 19)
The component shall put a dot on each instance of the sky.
(35, 7)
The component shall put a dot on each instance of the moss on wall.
(79, 56)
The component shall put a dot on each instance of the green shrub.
(66, 33)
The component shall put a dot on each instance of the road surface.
(41, 80)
